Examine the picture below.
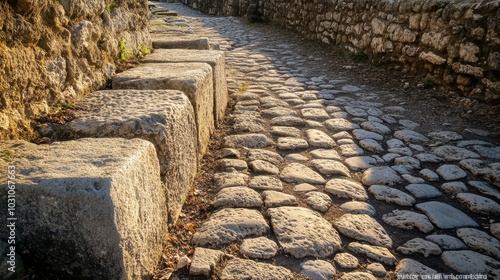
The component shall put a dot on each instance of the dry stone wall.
(53, 52)
(455, 43)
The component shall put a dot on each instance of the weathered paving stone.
(412, 179)
(318, 269)
(391, 195)
(342, 135)
(423, 191)
(163, 41)
(377, 269)
(287, 121)
(445, 136)
(346, 260)
(277, 199)
(336, 125)
(318, 201)
(263, 183)
(325, 154)
(224, 180)
(306, 234)
(251, 140)
(410, 136)
(228, 225)
(376, 127)
(445, 216)
(404, 151)
(408, 161)
(479, 204)
(390, 157)
(428, 175)
(357, 276)
(423, 157)
(231, 165)
(490, 172)
(355, 111)
(346, 189)
(495, 230)
(345, 141)
(371, 145)
(330, 167)
(408, 220)
(278, 112)
(292, 143)
(377, 253)
(319, 139)
(349, 150)
(245, 123)
(450, 172)
(419, 245)
(360, 163)
(480, 241)
(407, 267)
(454, 188)
(315, 113)
(229, 153)
(204, 261)
(403, 169)
(262, 166)
(248, 269)
(380, 176)
(467, 262)
(452, 153)
(285, 131)
(358, 207)
(237, 197)
(446, 242)
(296, 157)
(364, 228)
(298, 173)
(361, 134)
(485, 188)
(488, 152)
(260, 248)
(258, 154)
(304, 187)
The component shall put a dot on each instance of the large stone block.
(164, 41)
(90, 208)
(163, 117)
(216, 59)
(194, 79)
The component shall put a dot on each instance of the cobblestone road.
(318, 178)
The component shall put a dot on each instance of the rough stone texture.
(453, 153)
(69, 48)
(248, 269)
(318, 201)
(408, 220)
(451, 172)
(446, 242)
(265, 183)
(272, 157)
(358, 207)
(466, 262)
(74, 182)
(481, 241)
(330, 167)
(164, 41)
(391, 195)
(319, 139)
(346, 189)
(204, 261)
(251, 140)
(260, 247)
(445, 216)
(479, 204)
(215, 59)
(228, 225)
(412, 267)
(418, 245)
(377, 253)
(263, 167)
(318, 269)
(423, 191)
(363, 227)
(360, 163)
(346, 260)
(377, 269)
(277, 199)
(164, 118)
(302, 232)
(226, 180)
(237, 197)
(298, 173)
(380, 176)
(194, 79)
(357, 276)
(291, 143)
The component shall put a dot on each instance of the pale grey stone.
(304, 187)
(183, 262)
(318, 201)
(358, 207)
(407, 160)
(452, 153)
(363, 228)
(285, 131)
(411, 267)
(261, 166)
(466, 143)
(277, 199)
(445, 216)
(319, 139)
(237, 197)
(251, 140)
(445, 136)
(325, 154)
(350, 88)
(287, 121)
(488, 152)
(451, 172)
(490, 172)
(408, 220)
(229, 225)
(260, 248)
(484, 188)
(292, 143)
(356, 111)
(419, 245)
(374, 119)
(416, 147)
(315, 113)
(454, 188)
(479, 204)
(380, 176)
(329, 167)
(389, 158)
(409, 124)
(391, 195)
(270, 102)
(229, 153)
(395, 143)
(339, 115)
(346, 260)
(263, 183)
(357, 276)
(404, 151)
(258, 154)
(377, 253)
(376, 127)
(204, 261)
(480, 241)
(248, 269)
(342, 135)
(351, 150)
(361, 134)
(495, 230)
(296, 157)
(377, 269)
(231, 165)
(346, 189)
(298, 173)
(371, 145)
(278, 112)
(302, 232)
(412, 179)
(345, 141)
(428, 175)
(360, 163)
(423, 191)
(403, 169)
(410, 136)
(446, 242)
(467, 262)
(318, 270)
(389, 119)
(341, 124)
(428, 158)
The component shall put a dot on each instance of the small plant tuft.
(7, 154)
(243, 88)
(111, 7)
(143, 50)
(125, 52)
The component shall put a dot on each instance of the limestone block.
(216, 59)
(435, 40)
(91, 207)
(432, 58)
(467, 69)
(163, 117)
(468, 52)
(165, 41)
(194, 79)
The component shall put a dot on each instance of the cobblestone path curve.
(319, 178)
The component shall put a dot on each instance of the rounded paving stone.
(318, 270)
(495, 230)
(346, 260)
(319, 139)
(325, 154)
(412, 179)
(371, 145)
(452, 153)
(376, 127)
(330, 167)
(446, 242)
(349, 150)
(285, 131)
(391, 195)
(445, 136)
(298, 173)
(259, 154)
(237, 197)
(408, 220)
(419, 245)
(451, 172)
(318, 201)
(410, 136)
(428, 175)
(408, 267)
(361, 134)
(423, 191)
(480, 241)
(466, 261)
(346, 189)
(263, 183)
(278, 112)
(296, 157)
(380, 176)
(225, 180)
(277, 199)
(377, 253)
(357, 276)
(291, 143)
(336, 125)
(304, 187)
(445, 216)
(363, 228)
(377, 269)
(315, 113)
(358, 207)
(260, 248)
(360, 163)
(261, 166)
(454, 187)
(479, 204)
(247, 141)
(248, 269)
(485, 188)
(287, 121)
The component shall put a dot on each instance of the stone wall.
(455, 43)
(53, 52)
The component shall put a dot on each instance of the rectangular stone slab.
(94, 208)
(162, 41)
(216, 59)
(163, 117)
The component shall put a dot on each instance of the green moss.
(7, 154)
(243, 88)
(125, 52)
(111, 7)
(143, 50)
